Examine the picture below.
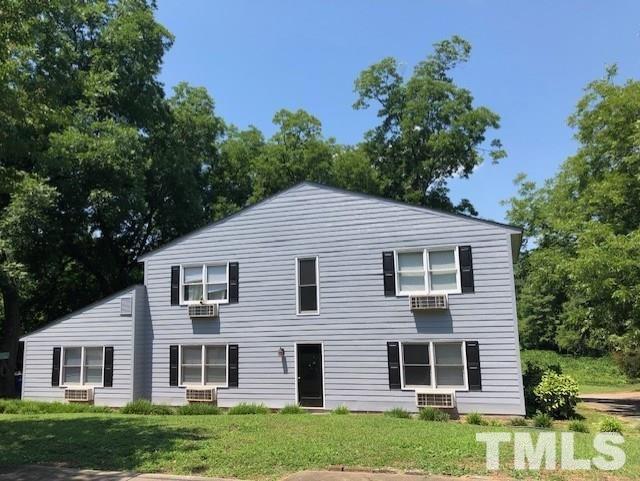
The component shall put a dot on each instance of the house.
(316, 295)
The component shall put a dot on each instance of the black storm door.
(310, 383)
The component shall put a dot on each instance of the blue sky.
(530, 63)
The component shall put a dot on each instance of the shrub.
(542, 420)
(557, 395)
(144, 407)
(475, 418)
(292, 409)
(16, 406)
(627, 355)
(249, 408)
(578, 426)
(495, 422)
(341, 410)
(398, 413)
(532, 374)
(518, 422)
(198, 409)
(433, 414)
(610, 425)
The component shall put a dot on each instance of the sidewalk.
(51, 473)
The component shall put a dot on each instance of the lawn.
(261, 446)
(593, 374)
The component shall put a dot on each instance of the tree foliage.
(579, 284)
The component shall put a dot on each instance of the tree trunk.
(11, 330)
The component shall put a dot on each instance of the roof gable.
(515, 231)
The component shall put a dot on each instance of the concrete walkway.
(51, 473)
(626, 404)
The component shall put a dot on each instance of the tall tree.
(429, 128)
(584, 225)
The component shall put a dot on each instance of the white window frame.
(426, 270)
(203, 360)
(82, 366)
(204, 266)
(432, 366)
(298, 311)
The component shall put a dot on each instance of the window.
(83, 365)
(428, 271)
(445, 368)
(203, 365)
(449, 365)
(208, 283)
(307, 279)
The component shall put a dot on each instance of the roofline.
(509, 227)
(81, 310)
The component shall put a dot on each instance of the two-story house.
(316, 296)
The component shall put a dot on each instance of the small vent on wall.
(203, 310)
(126, 304)
(435, 399)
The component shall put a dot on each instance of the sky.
(530, 63)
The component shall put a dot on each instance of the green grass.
(142, 406)
(198, 409)
(593, 374)
(16, 406)
(248, 408)
(292, 409)
(265, 447)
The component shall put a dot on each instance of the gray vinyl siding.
(348, 233)
(97, 325)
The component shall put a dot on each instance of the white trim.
(295, 372)
(432, 365)
(202, 382)
(426, 270)
(298, 311)
(82, 366)
(203, 280)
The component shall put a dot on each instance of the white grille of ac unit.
(203, 310)
(78, 395)
(201, 395)
(428, 303)
(435, 399)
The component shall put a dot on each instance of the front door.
(309, 367)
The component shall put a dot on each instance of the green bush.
(532, 374)
(433, 414)
(627, 355)
(610, 425)
(341, 410)
(518, 422)
(557, 395)
(142, 406)
(292, 409)
(542, 420)
(16, 406)
(249, 408)
(398, 413)
(578, 426)
(198, 409)
(476, 418)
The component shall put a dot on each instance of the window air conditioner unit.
(201, 395)
(436, 399)
(199, 311)
(432, 302)
(78, 395)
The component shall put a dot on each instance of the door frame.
(295, 369)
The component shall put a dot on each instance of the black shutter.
(55, 367)
(175, 285)
(389, 273)
(233, 282)
(108, 366)
(393, 357)
(473, 366)
(233, 365)
(173, 365)
(466, 268)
